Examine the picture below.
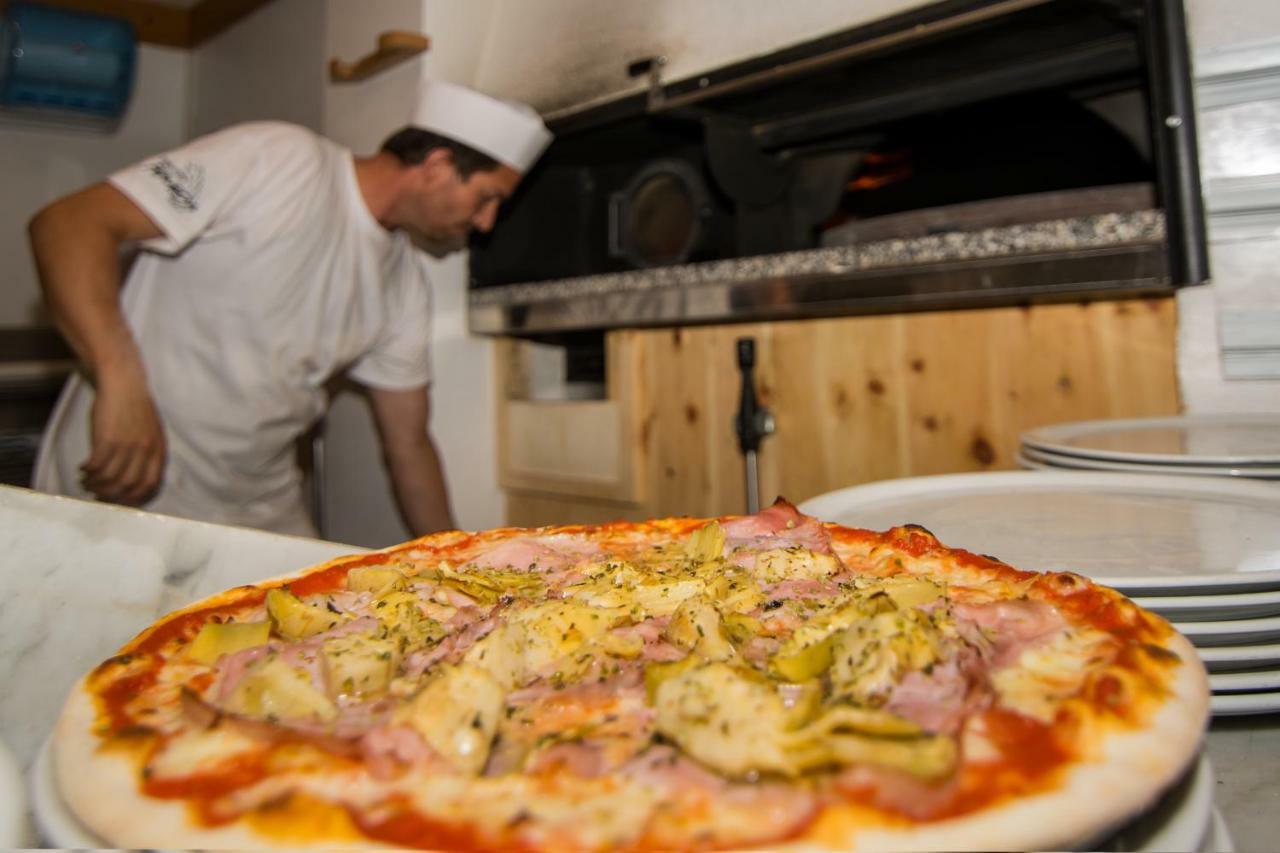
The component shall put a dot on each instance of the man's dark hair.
(411, 145)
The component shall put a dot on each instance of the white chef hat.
(507, 131)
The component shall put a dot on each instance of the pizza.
(768, 680)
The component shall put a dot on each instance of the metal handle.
(752, 423)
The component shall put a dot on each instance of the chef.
(269, 261)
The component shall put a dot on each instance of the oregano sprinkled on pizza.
(763, 680)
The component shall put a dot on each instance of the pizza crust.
(1094, 799)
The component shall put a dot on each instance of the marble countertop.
(80, 579)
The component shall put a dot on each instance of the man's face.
(444, 207)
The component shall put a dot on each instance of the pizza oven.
(832, 176)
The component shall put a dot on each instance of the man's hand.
(127, 457)
(76, 243)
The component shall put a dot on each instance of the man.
(271, 260)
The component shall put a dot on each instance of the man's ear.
(439, 162)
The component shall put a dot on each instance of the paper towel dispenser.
(65, 67)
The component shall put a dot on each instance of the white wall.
(358, 504)
(592, 42)
(1215, 24)
(39, 164)
(269, 65)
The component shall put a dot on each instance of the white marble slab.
(78, 579)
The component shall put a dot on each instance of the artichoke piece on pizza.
(697, 627)
(871, 656)
(501, 653)
(358, 665)
(216, 639)
(809, 650)
(488, 586)
(912, 592)
(727, 718)
(402, 618)
(457, 714)
(735, 591)
(795, 563)
(735, 721)
(706, 544)
(661, 597)
(294, 619)
(273, 689)
(375, 579)
(554, 630)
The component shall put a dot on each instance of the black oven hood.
(962, 154)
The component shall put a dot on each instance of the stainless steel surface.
(753, 482)
(1080, 274)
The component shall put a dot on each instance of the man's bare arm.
(412, 461)
(76, 242)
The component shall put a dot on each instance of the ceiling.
(173, 23)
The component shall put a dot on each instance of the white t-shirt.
(271, 276)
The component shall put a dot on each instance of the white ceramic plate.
(55, 823)
(1179, 821)
(1225, 439)
(1233, 704)
(1230, 658)
(1237, 632)
(1029, 457)
(1208, 608)
(1151, 535)
(1245, 682)
(13, 802)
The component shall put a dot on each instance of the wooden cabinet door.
(860, 399)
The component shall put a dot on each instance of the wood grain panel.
(596, 449)
(529, 509)
(163, 24)
(951, 409)
(682, 431)
(210, 17)
(837, 392)
(860, 399)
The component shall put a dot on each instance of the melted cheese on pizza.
(681, 684)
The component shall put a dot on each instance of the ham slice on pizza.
(768, 680)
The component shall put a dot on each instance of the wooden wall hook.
(394, 47)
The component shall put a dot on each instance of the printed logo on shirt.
(183, 182)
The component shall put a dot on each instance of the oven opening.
(1030, 158)
(869, 169)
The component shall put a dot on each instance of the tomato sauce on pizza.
(676, 684)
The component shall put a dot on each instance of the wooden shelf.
(394, 47)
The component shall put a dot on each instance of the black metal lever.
(753, 421)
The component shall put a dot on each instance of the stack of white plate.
(1245, 446)
(1204, 552)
